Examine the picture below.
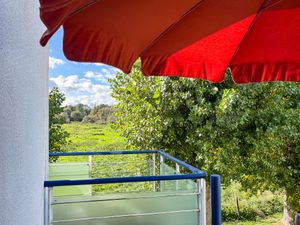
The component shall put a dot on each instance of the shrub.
(89, 119)
(250, 206)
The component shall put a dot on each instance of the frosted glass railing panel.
(70, 171)
(174, 185)
(132, 209)
(60, 171)
(171, 219)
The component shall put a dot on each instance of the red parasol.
(258, 39)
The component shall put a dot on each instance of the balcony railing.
(124, 188)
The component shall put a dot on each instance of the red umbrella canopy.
(258, 39)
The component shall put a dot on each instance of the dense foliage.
(261, 137)
(178, 115)
(57, 135)
(248, 133)
(238, 204)
(102, 114)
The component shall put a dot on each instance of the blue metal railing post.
(215, 188)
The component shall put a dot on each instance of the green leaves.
(176, 114)
(56, 98)
(263, 144)
(250, 133)
(57, 135)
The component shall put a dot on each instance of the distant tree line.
(101, 114)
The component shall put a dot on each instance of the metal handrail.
(56, 183)
(185, 165)
(125, 198)
(97, 173)
(103, 153)
(96, 163)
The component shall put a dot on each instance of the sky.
(85, 83)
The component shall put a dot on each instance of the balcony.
(126, 188)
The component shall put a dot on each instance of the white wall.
(23, 113)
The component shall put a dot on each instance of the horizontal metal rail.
(64, 175)
(103, 153)
(124, 198)
(185, 165)
(95, 173)
(97, 163)
(87, 195)
(124, 216)
(112, 180)
(69, 164)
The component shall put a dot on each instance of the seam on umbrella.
(53, 6)
(83, 8)
(271, 5)
(156, 39)
(260, 11)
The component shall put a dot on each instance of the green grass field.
(85, 137)
(93, 137)
(275, 219)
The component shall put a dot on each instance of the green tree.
(176, 114)
(64, 117)
(57, 135)
(83, 109)
(248, 133)
(101, 114)
(68, 110)
(137, 108)
(261, 138)
(76, 116)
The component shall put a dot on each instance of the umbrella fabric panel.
(202, 43)
(271, 50)
(115, 32)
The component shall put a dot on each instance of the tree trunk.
(287, 213)
(237, 205)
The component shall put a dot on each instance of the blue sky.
(85, 83)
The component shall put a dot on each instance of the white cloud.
(90, 100)
(82, 90)
(53, 62)
(90, 74)
(101, 76)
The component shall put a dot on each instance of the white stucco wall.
(23, 113)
